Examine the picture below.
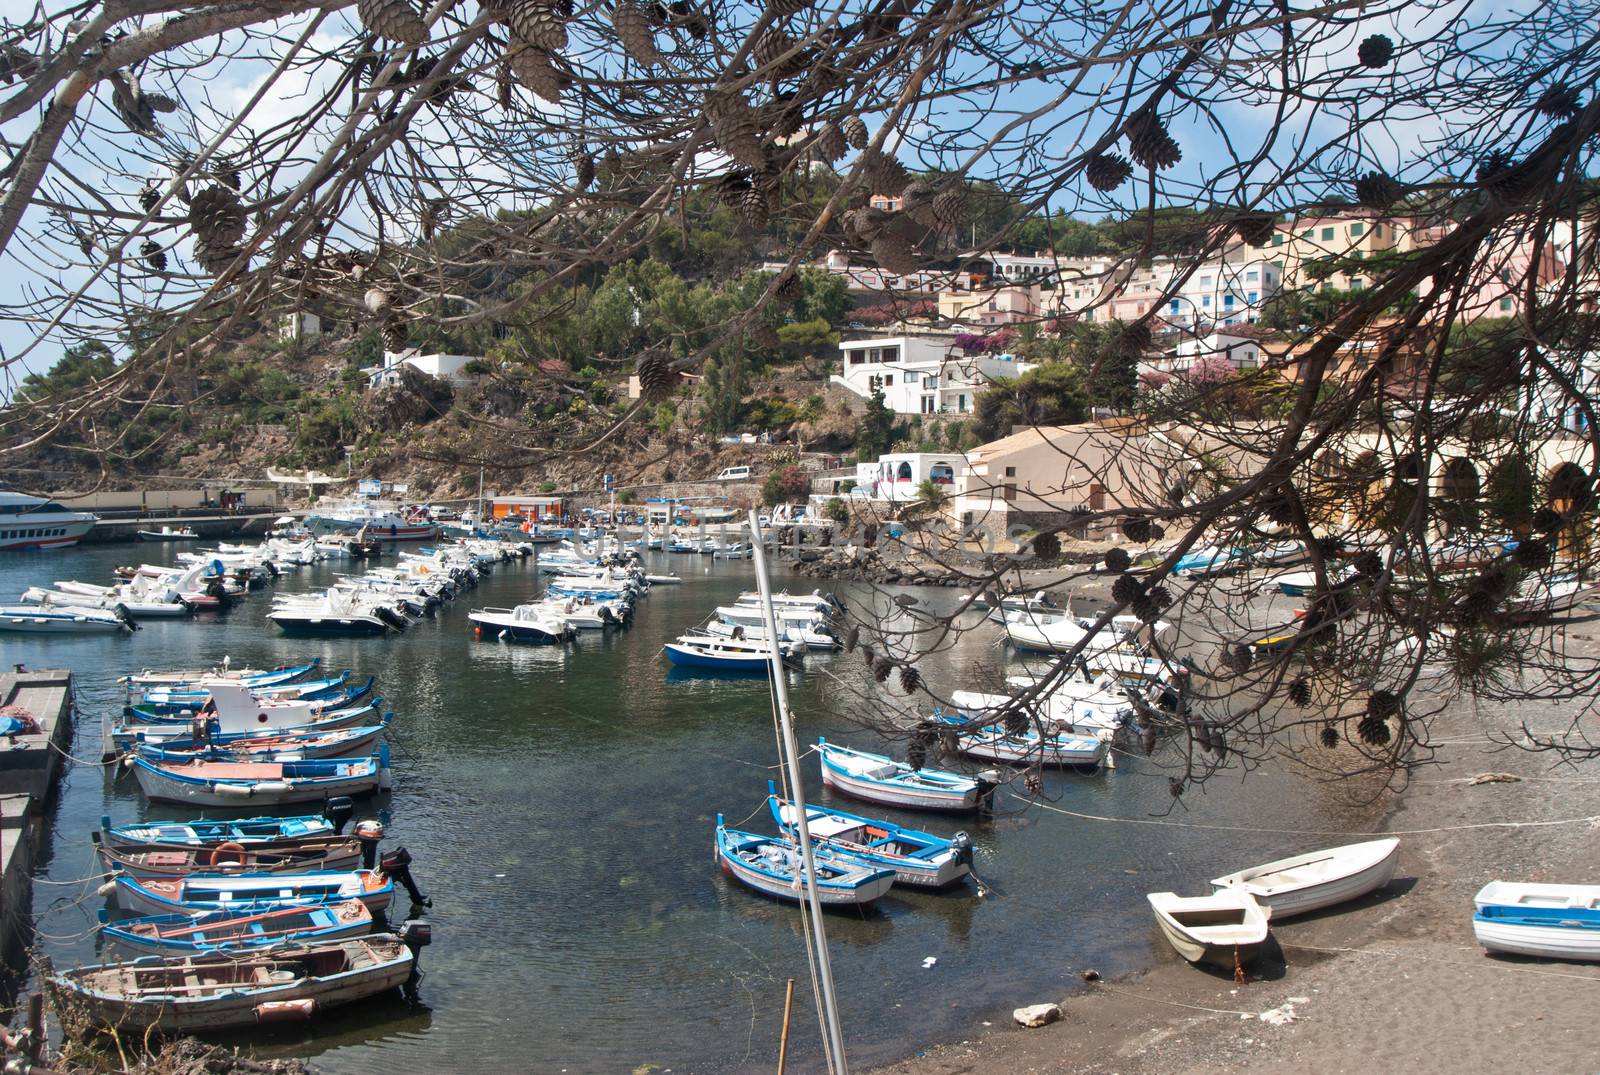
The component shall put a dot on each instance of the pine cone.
(657, 379)
(854, 131)
(732, 187)
(1126, 589)
(378, 301)
(790, 289)
(910, 679)
(1174, 787)
(1107, 171)
(149, 198)
(1300, 691)
(216, 217)
(916, 754)
(1329, 736)
(1149, 141)
(1558, 101)
(829, 144)
(853, 638)
(1134, 340)
(753, 208)
(536, 23)
(1256, 229)
(1383, 704)
(1047, 546)
(1147, 608)
(393, 20)
(395, 336)
(1279, 505)
(1376, 51)
(1138, 529)
(1547, 521)
(769, 50)
(534, 69)
(1147, 739)
(864, 224)
(214, 258)
(1374, 731)
(867, 655)
(950, 208)
(1475, 605)
(633, 26)
(1118, 560)
(1377, 191)
(583, 170)
(1015, 723)
(153, 255)
(1504, 178)
(1369, 565)
(886, 175)
(895, 254)
(1532, 553)
(881, 668)
(734, 128)
(784, 8)
(1214, 740)
(1161, 597)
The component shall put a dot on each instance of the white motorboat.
(63, 619)
(336, 612)
(1305, 883)
(524, 623)
(1062, 713)
(817, 637)
(32, 522)
(167, 533)
(1225, 929)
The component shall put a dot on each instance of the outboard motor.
(987, 780)
(339, 810)
(397, 864)
(370, 833)
(962, 843)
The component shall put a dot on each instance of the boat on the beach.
(772, 865)
(222, 990)
(918, 859)
(261, 783)
(237, 931)
(1317, 879)
(1547, 921)
(880, 779)
(1225, 929)
(199, 893)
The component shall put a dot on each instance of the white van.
(734, 474)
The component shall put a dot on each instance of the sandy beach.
(1392, 982)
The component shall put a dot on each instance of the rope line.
(1590, 819)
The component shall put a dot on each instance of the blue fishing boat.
(272, 746)
(249, 831)
(250, 679)
(130, 736)
(1025, 747)
(274, 783)
(918, 859)
(880, 779)
(200, 893)
(772, 866)
(237, 929)
(719, 654)
(335, 691)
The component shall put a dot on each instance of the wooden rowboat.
(881, 779)
(218, 991)
(1317, 879)
(772, 866)
(199, 893)
(176, 860)
(1542, 920)
(184, 934)
(1225, 929)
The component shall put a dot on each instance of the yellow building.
(1299, 243)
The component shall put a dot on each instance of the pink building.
(1501, 275)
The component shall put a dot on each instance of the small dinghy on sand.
(1317, 879)
(1226, 929)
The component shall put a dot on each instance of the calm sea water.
(559, 805)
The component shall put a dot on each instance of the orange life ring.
(229, 848)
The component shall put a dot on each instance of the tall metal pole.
(791, 761)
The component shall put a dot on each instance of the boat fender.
(286, 1011)
(273, 787)
(231, 847)
(233, 791)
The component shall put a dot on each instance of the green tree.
(1050, 395)
(875, 433)
(722, 388)
(79, 365)
(837, 510)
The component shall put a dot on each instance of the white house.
(1243, 351)
(301, 326)
(921, 374)
(899, 475)
(1223, 292)
(450, 368)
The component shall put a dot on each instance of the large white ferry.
(380, 520)
(32, 522)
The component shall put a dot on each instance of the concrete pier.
(30, 767)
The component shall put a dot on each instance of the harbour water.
(559, 804)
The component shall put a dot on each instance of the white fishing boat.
(1027, 747)
(880, 779)
(1547, 921)
(1225, 929)
(1309, 882)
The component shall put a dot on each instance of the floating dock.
(31, 765)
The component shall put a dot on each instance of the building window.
(891, 354)
(1505, 303)
(1252, 275)
(1251, 297)
(1277, 238)
(1306, 234)
(1227, 300)
(1205, 300)
(1327, 234)
(857, 357)
(1205, 281)
(888, 379)
(928, 404)
(1174, 305)
(930, 382)
(1357, 229)
(1011, 472)
(1356, 283)
(993, 305)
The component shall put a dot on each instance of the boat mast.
(833, 1035)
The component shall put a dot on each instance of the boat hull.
(160, 785)
(1545, 933)
(324, 626)
(1374, 872)
(858, 786)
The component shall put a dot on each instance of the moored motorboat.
(167, 533)
(1304, 883)
(1226, 929)
(1026, 746)
(237, 930)
(64, 619)
(526, 623)
(772, 866)
(197, 893)
(221, 990)
(880, 779)
(713, 653)
(918, 859)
